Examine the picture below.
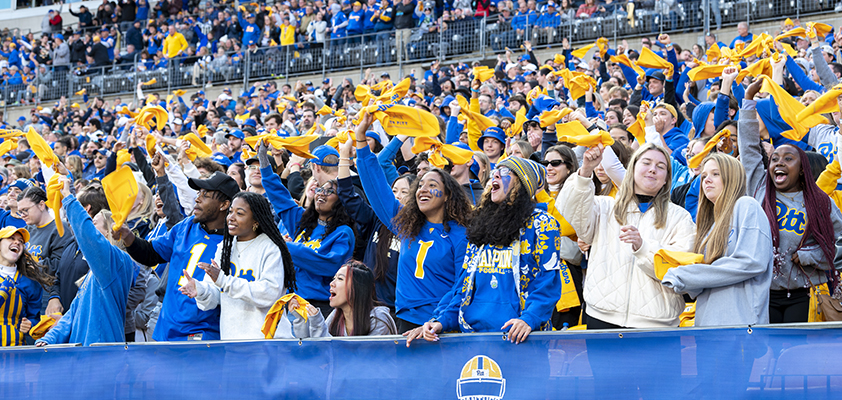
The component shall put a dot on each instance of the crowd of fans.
(209, 40)
(644, 186)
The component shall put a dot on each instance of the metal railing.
(464, 39)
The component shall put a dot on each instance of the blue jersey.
(501, 283)
(251, 32)
(338, 19)
(184, 246)
(429, 263)
(356, 22)
(20, 297)
(317, 257)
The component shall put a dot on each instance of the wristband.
(592, 127)
(475, 90)
(294, 164)
(361, 141)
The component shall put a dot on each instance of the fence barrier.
(786, 362)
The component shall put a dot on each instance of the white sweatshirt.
(255, 283)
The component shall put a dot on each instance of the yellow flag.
(120, 189)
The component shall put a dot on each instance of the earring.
(254, 227)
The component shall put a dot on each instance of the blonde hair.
(146, 207)
(484, 174)
(626, 195)
(108, 220)
(713, 222)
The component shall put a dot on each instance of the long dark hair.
(486, 227)
(817, 205)
(310, 219)
(30, 268)
(359, 286)
(410, 220)
(384, 240)
(262, 214)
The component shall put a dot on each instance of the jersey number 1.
(422, 255)
(195, 255)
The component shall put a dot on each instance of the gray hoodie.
(792, 215)
(734, 289)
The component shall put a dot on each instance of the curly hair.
(410, 220)
(310, 219)
(262, 214)
(485, 227)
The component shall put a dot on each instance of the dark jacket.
(404, 15)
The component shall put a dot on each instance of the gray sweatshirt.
(317, 326)
(792, 215)
(734, 288)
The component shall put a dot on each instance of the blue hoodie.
(700, 116)
(98, 312)
(488, 296)
(767, 111)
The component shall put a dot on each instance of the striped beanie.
(529, 172)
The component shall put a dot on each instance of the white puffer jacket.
(621, 287)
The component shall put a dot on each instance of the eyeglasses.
(553, 163)
(503, 171)
(24, 211)
(325, 191)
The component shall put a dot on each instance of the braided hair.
(310, 219)
(262, 214)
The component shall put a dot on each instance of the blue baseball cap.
(494, 133)
(202, 92)
(524, 58)
(321, 153)
(21, 118)
(59, 36)
(222, 159)
(250, 122)
(22, 183)
(236, 133)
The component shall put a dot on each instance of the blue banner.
(760, 362)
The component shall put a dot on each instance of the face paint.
(506, 181)
(436, 192)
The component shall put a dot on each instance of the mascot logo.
(481, 379)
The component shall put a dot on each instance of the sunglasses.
(503, 171)
(553, 163)
(325, 191)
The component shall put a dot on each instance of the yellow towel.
(696, 160)
(574, 132)
(273, 317)
(41, 328)
(54, 199)
(41, 149)
(298, 145)
(439, 150)
(666, 259)
(403, 120)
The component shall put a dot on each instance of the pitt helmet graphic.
(481, 379)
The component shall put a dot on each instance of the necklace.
(244, 248)
(791, 198)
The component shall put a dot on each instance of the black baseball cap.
(219, 182)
